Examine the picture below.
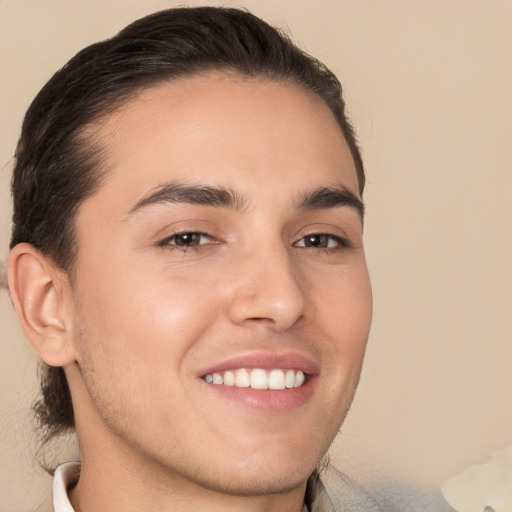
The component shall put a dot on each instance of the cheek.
(344, 312)
(344, 303)
(143, 321)
(134, 337)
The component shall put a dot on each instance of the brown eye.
(318, 241)
(187, 239)
(321, 241)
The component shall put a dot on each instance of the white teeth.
(299, 379)
(242, 379)
(229, 379)
(289, 380)
(258, 378)
(276, 379)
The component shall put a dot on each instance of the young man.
(187, 260)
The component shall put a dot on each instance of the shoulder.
(385, 495)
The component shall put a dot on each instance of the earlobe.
(41, 298)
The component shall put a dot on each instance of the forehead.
(224, 130)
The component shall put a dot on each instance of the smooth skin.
(164, 288)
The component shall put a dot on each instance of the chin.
(259, 483)
(261, 475)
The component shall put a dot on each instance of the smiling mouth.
(258, 378)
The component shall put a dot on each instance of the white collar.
(65, 476)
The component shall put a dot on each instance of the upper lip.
(265, 361)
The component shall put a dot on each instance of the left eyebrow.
(192, 194)
(330, 197)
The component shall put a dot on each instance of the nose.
(269, 291)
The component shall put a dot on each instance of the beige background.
(428, 85)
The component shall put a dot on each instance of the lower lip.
(267, 400)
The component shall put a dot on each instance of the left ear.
(41, 295)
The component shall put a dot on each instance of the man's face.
(225, 245)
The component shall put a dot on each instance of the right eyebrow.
(331, 197)
(192, 194)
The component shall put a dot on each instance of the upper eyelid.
(321, 229)
(189, 225)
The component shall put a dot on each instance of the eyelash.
(166, 242)
(340, 242)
